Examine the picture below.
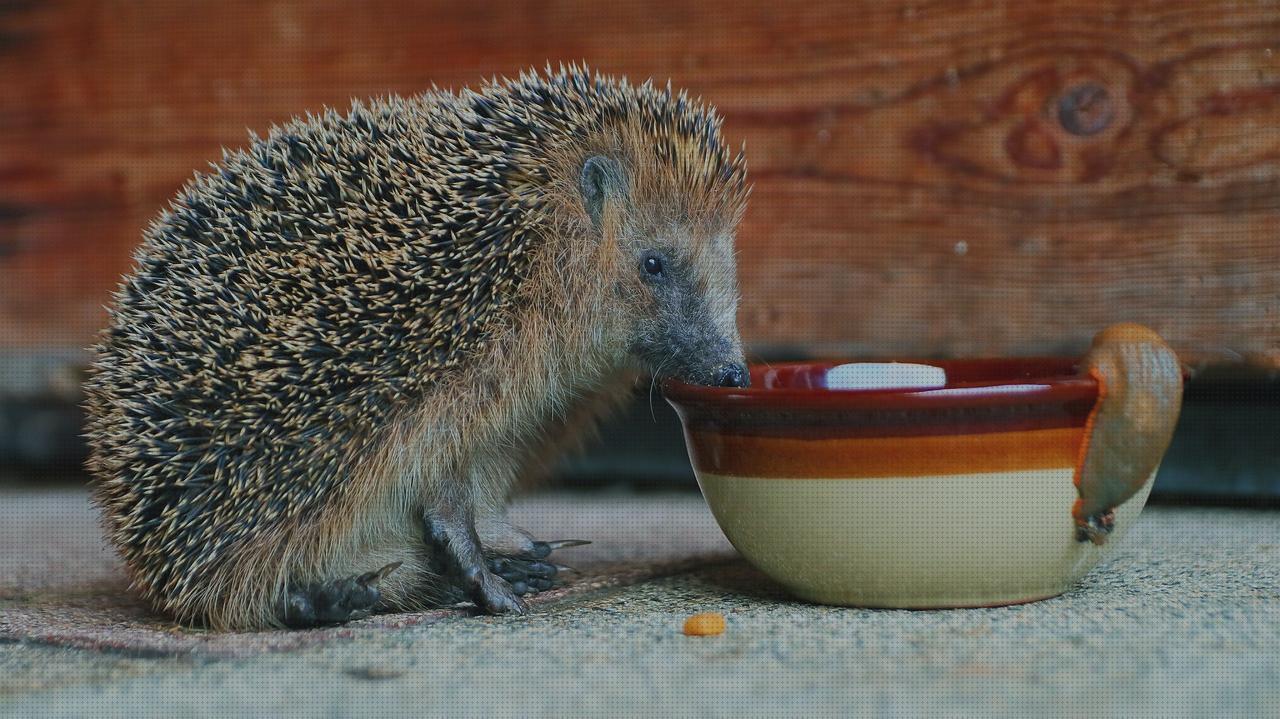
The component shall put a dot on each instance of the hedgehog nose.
(732, 375)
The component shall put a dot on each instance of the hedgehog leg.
(452, 536)
(334, 602)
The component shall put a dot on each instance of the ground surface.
(1184, 620)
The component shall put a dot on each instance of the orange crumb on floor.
(704, 624)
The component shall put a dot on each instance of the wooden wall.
(930, 177)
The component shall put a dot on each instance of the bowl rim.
(1057, 377)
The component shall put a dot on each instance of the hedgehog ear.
(600, 182)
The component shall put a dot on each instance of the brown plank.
(931, 179)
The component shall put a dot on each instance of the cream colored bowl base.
(913, 542)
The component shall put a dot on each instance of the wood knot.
(1029, 145)
(1086, 109)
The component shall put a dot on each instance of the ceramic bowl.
(952, 487)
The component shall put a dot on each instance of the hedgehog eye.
(653, 265)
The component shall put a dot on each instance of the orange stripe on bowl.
(870, 457)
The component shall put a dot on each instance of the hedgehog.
(340, 349)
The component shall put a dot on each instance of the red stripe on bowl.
(878, 457)
(981, 396)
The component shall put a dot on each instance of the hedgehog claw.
(566, 543)
(372, 578)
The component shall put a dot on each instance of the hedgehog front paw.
(493, 594)
(458, 558)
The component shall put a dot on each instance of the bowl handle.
(1139, 397)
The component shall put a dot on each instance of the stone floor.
(1183, 620)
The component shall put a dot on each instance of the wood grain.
(949, 178)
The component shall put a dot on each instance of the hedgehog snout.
(695, 360)
(732, 375)
(717, 366)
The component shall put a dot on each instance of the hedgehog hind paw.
(541, 550)
(525, 575)
(334, 602)
(531, 571)
(499, 537)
